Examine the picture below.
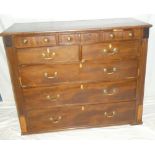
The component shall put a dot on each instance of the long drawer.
(43, 55)
(80, 116)
(44, 75)
(79, 94)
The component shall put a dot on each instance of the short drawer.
(69, 38)
(35, 41)
(111, 51)
(90, 37)
(80, 116)
(44, 75)
(48, 55)
(121, 34)
(79, 94)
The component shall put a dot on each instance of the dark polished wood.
(77, 74)
(99, 92)
(46, 75)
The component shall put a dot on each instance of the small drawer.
(90, 37)
(35, 41)
(112, 35)
(80, 116)
(46, 55)
(111, 50)
(78, 94)
(67, 39)
(132, 34)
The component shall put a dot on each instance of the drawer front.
(48, 55)
(132, 34)
(111, 51)
(49, 74)
(45, 75)
(80, 116)
(35, 41)
(79, 94)
(116, 70)
(90, 37)
(67, 39)
(120, 34)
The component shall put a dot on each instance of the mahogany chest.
(77, 74)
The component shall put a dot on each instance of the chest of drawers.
(77, 74)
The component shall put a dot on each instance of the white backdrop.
(48, 10)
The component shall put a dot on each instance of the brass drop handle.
(69, 38)
(111, 35)
(48, 55)
(110, 115)
(130, 34)
(109, 92)
(46, 40)
(25, 41)
(46, 75)
(55, 119)
(110, 51)
(110, 70)
(53, 98)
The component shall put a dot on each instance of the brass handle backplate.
(106, 114)
(48, 55)
(110, 50)
(55, 119)
(46, 75)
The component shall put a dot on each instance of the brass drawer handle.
(50, 77)
(55, 120)
(110, 51)
(53, 98)
(109, 92)
(110, 115)
(48, 55)
(69, 38)
(112, 35)
(110, 70)
(130, 34)
(46, 40)
(25, 41)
